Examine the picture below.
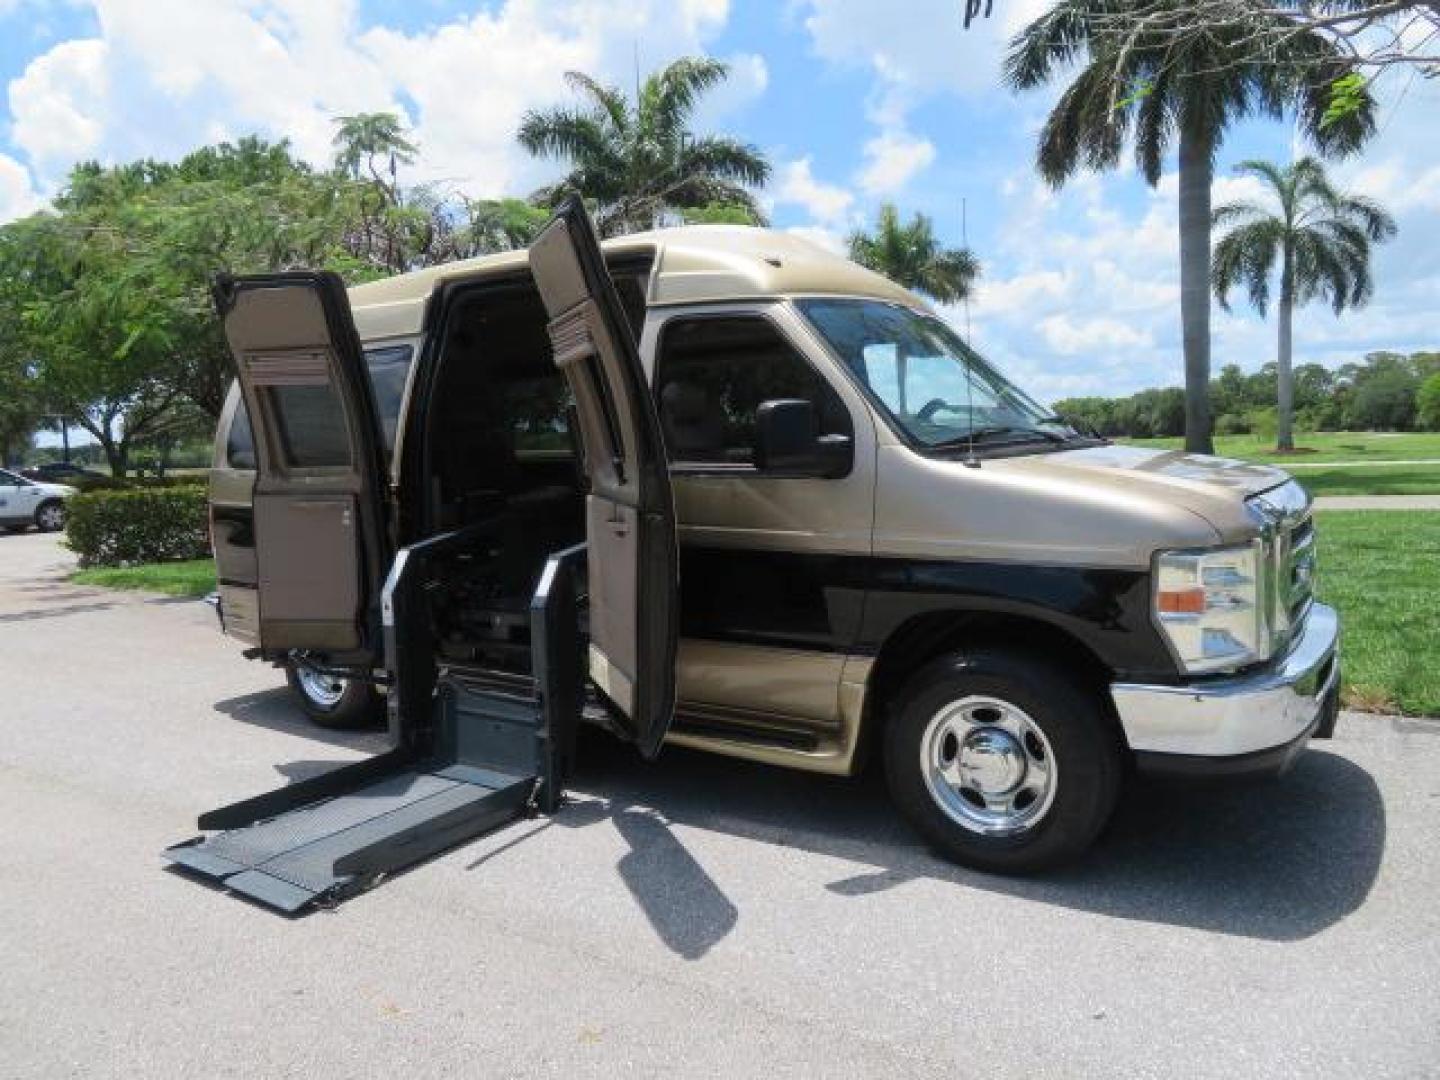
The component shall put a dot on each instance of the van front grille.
(1299, 571)
(1289, 535)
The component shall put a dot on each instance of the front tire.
(332, 701)
(1004, 764)
(50, 516)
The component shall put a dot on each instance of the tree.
(1385, 401)
(1371, 35)
(370, 140)
(638, 162)
(97, 349)
(1320, 239)
(1427, 403)
(1166, 90)
(911, 255)
(499, 225)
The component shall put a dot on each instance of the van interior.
(500, 455)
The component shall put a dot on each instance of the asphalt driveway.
(695, 916)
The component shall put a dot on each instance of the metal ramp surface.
(343, 845)
(466, 760)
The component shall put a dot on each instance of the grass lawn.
(1371, 480)
(1348, 446)
(194, 577)
(1323, 446)
(1382, 571)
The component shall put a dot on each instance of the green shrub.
(101, 482)
(1263, 422)
(140, 525)
(1232, 424)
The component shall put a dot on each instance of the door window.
(311, 426)
(10, 480)
(714, 372)
(389, 369)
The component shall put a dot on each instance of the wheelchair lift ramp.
(467, 759)
(343, 845)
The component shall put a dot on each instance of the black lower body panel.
(345, 843)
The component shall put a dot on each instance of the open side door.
(629, 514)
(321, 543)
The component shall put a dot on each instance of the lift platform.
(467, 758)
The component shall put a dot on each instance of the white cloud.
(918, 51)
(165, 75)
(57, 103)
(1020, 294)
(1069, 336)
(795, 183)
(892, 158)
(17, 196)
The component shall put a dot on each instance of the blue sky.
(855, 101)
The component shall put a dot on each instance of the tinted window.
(8, 479)
(539, 411)
(311, 425)
(715, 372)
(389, 370)
(240, 444)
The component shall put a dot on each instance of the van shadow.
(1274, 861)
(689, 912)
(276, 709)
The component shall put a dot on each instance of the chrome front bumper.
(1245, 719)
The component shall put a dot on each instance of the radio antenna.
(970, 459)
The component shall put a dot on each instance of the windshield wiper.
(980, 434)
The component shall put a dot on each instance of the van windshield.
(936, 389)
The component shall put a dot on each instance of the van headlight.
(1207, 603)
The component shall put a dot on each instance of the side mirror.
(788, 443)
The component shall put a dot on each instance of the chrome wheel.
(51, 517)
(323, 690)
(988, 766)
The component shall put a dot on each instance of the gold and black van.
(884, 546)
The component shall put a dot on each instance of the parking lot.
(690, 916)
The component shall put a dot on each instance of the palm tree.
(1321, 239)
(910, 255)
(365, 137)
(1166, 90)
(638, 161)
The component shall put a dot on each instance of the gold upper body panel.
(689, 265)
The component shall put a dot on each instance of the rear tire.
(1004, 764)
(50, 516)
(332, 702)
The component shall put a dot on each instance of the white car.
(24, 503)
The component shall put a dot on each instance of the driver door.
(629, 514)
(320, 528)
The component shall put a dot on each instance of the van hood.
(1213, 487)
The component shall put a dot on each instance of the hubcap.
(324, 690)
(51, 518)
(988, 766)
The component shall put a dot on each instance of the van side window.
(311, 426)
(389, 369)
(714, 372)
(240, 443)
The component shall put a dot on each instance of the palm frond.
(606, 99)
